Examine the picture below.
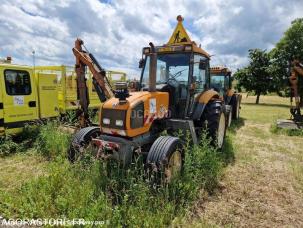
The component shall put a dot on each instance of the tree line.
(268, 71)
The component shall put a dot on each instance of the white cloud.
(115, 32)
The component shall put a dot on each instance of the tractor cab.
(220, 80)
(182, 70)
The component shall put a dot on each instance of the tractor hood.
(132, 100)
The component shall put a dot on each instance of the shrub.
(52, 142)
(10, 144)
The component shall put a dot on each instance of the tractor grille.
(114, 115)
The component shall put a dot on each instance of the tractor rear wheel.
(166, 158)
(230, 116)
(80, 141)
(235, 103)
(215, 121)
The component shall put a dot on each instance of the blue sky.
(116, 31)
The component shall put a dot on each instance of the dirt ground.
(264, 185)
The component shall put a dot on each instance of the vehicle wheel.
(81, 141)
(215, 121)
(235, 103)
(166, 157)
(230, 116)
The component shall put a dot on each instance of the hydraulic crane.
(103, 88)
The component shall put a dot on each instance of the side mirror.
(202, 65)
(134, 85)
(141, 63)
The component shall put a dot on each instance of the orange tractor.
(173, 94)
(221, 81)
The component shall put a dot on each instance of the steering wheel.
(173, 77)
(173, 82)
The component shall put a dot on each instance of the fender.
(230, 92)
(201, 102)
(228, 96)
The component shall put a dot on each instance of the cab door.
(19, 96)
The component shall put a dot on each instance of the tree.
(255, 77)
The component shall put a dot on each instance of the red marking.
(114, 133)
(104, 144)
(145, 119)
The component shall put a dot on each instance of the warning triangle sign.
(179, 35)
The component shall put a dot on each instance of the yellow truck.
(31, 93)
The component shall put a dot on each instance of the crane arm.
(100, 81)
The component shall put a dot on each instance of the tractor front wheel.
(165, 157)
(81, 141)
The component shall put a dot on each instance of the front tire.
(81, 141)
(166, 157)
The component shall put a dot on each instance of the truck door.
(19, 96)
(48, 95)
(1, 112)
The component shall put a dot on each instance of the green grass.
(256, 179)
(264, 185)
(51, 187)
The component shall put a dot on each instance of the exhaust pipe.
(152, 68)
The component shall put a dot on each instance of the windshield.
(217, 83)
(169, 67)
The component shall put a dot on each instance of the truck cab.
(18, 97)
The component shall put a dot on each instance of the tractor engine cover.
(135, 116)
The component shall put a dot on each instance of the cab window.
(17, 82)
(227, 82)
(198, 74)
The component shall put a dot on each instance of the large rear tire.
(235, 103)
(215, 121)
(81, 141)
(230, 117)
(166, 157)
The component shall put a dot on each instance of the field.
(256, 181)
(264, 186)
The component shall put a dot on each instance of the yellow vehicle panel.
(67, 86)
(155, 107)
(19, 95)
(206, 96)
(48, 95)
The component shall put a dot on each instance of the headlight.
(119, 123)
(106, 121)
